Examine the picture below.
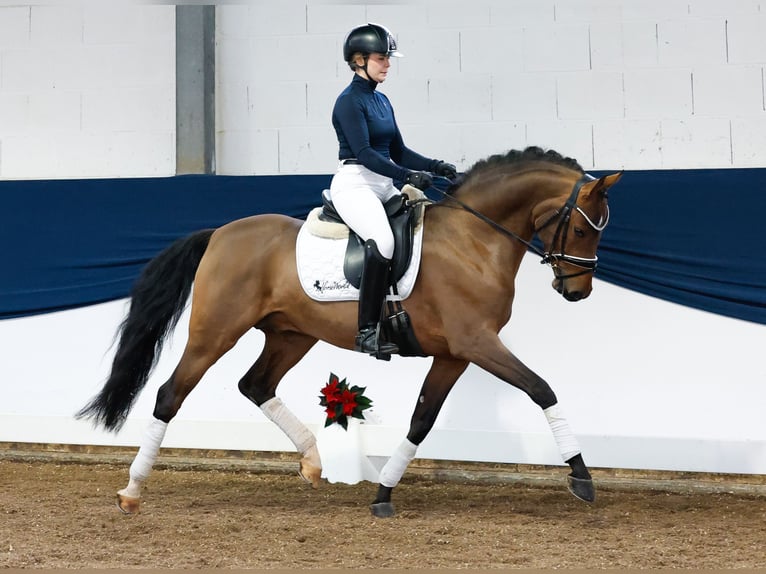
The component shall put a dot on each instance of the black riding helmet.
(368, 39)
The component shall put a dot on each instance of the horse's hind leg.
(199, 355)
(437, 385)
(281, 352)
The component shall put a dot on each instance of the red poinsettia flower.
(348, 399)
(341, 401)
(331, 391)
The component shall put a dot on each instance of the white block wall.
(635, 84)
(87, 91)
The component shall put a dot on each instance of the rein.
(588, 264)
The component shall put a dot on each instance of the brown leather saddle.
(401, 217)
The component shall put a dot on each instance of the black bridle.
(563, 215)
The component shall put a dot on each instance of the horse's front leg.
(437, 385)
(491, 355)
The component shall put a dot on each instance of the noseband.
(588, 264)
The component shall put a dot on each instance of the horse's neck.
(511, 200)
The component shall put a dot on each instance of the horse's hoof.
(128, 504)
(310, 473)
(581, 488)
(382, 509)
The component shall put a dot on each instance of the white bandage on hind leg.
(276, 411)
(394, 469)
(566, 441)
(142, 465)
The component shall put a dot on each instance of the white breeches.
(358, 195)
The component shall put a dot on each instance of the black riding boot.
(372, 292)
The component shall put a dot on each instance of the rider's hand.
(445, 169)
(420, 179)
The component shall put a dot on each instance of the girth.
(401, 218)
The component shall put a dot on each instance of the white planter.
(343, 454)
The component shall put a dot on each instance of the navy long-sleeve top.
(366, 127)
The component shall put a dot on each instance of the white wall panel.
(14, 113)
(56, 25)
(248, 152)
(522, 12)
(332, 18)
(307, 150)
(629, 144)
(716, 8)
(277, 104)
(691, 42)
(556, 48)
(748, 142)
(276, 18)
(232, 110)
(99, 89)
(590, 95)
(524, 97)
(452, 14)
(588, 11)
(127, 109)
(125, 23)
(397, 16)
(499, 53)
(429, 53)
(14, 26)
(658, 93)
(469, 102)
(654, 10)
(747, 41)
(699, 142)
(728, 91)
(55, 111)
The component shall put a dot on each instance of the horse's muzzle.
(560, 285)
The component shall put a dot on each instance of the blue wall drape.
(694, 237)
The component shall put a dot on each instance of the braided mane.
(519, 158)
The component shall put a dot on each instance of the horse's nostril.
(572, 295)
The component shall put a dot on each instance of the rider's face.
(377, 67)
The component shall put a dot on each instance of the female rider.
(372, 156)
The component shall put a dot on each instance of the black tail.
(157, 301)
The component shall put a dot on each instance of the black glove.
(420, 179)
(445, 170)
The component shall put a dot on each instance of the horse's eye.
(579, 232)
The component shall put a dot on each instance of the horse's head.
(570, 234)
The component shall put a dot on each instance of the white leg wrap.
(276, 411)
(147, 454)
(394, 469)
(566, 441)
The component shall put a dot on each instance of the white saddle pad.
(320, 250)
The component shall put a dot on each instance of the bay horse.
(244, 275)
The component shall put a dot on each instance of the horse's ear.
(602, 184)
